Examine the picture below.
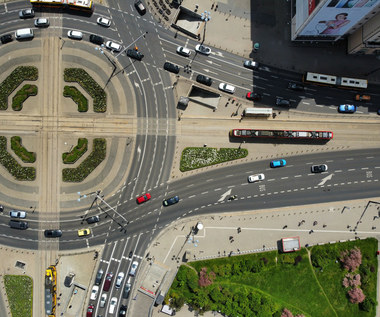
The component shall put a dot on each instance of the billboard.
(336, 17)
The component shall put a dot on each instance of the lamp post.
(101, 50)
(205, 16)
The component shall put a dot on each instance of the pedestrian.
(284, 227)
(324, 226)
(373, 228)
(315, 223)
(311, 231)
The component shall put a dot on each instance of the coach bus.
(281, 134)
(336, 81)
(86, 6)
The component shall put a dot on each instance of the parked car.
(6, 38)
(96, 39)
(251, 64)
(278, 163)
(130, 254)
(103, 300)
(170, 201)
(113, 46)
(22, 225)
(26, 14)
(83, 232)
(256, 178)
(205, 50)
(53, 233)
(346, 108)
(127, 289)
(93, 219)
(135, 54)
(282, 102)
(107, 282)
(132, 271)
(41, 22)
(103, 22)
(204, 80)
(253, 96)
(171, 67)
(140, 7)
(76, 35)
(90, 311)
(319, 168)
(113, 305)
(184, 51)
(69, 279)
(143, 198)
(119, 279)
(99, 277)
(17, 214)
(123, 311)
(94, 292)
(227, 88)
(359, 97)
(295, 86)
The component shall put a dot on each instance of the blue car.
(278, 163)
(347, 108)
(171, 201)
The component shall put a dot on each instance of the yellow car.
(83, 232)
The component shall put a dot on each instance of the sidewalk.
(335, 222)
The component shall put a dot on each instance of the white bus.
(257, 112)
(336, 81)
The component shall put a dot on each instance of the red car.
(107, 282)
(90, 310)
(253, 96)
(143, 198)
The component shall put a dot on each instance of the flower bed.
(14, 80)
(77, 97)
(76, 153)
(22, 152)
(24, 93)
(97, 93)
(197, 157)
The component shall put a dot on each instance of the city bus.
(335, 81)
(85, 6)
(281, 134)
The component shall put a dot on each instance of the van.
(24, 34)
(18, 224)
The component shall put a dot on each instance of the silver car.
(17, 214)
(133, 270)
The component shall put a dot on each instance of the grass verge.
(19, 290)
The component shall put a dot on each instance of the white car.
(134, 266)
(41, 22)
(203, 49)
(119, 280)
(256, 178)
(227, 88)
(184, 51)
(113, 46)
(76, 35)
(103, 300)
(112, 305)
(94, 292)
(251, 64)
(17, 214)
(103, 22)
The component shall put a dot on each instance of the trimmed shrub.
(14, 80)
(21, 151)
(24, 93)
(76, 152)
(73, 93)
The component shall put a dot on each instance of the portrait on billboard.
(334, 26)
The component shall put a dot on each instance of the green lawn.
(264, 284)
(19, 290)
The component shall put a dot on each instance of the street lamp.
(205, 16)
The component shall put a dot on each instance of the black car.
(319, 168)
(140, 7)
(135, 54)
(130, 254)
(295, 86)
(282, 102)
(6, 38)
(126, 291)
(204, 80)
(93, 219)
(171, 201)
(26, 14)
(96, 39)
(123, 311)
(18, 224)
(69, 279)
(53, 233)
(171, 67)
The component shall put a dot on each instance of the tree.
(356, 295)
(286, 313)
(352, 259)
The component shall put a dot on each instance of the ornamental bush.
(24, 93)
(73, 93)
(21, 151)
(76, 152)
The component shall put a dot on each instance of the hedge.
(97, 155)
(24, 93)
(73, 93)
(76, 153)
(97, 93)
(22, 152)
(14, 80)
